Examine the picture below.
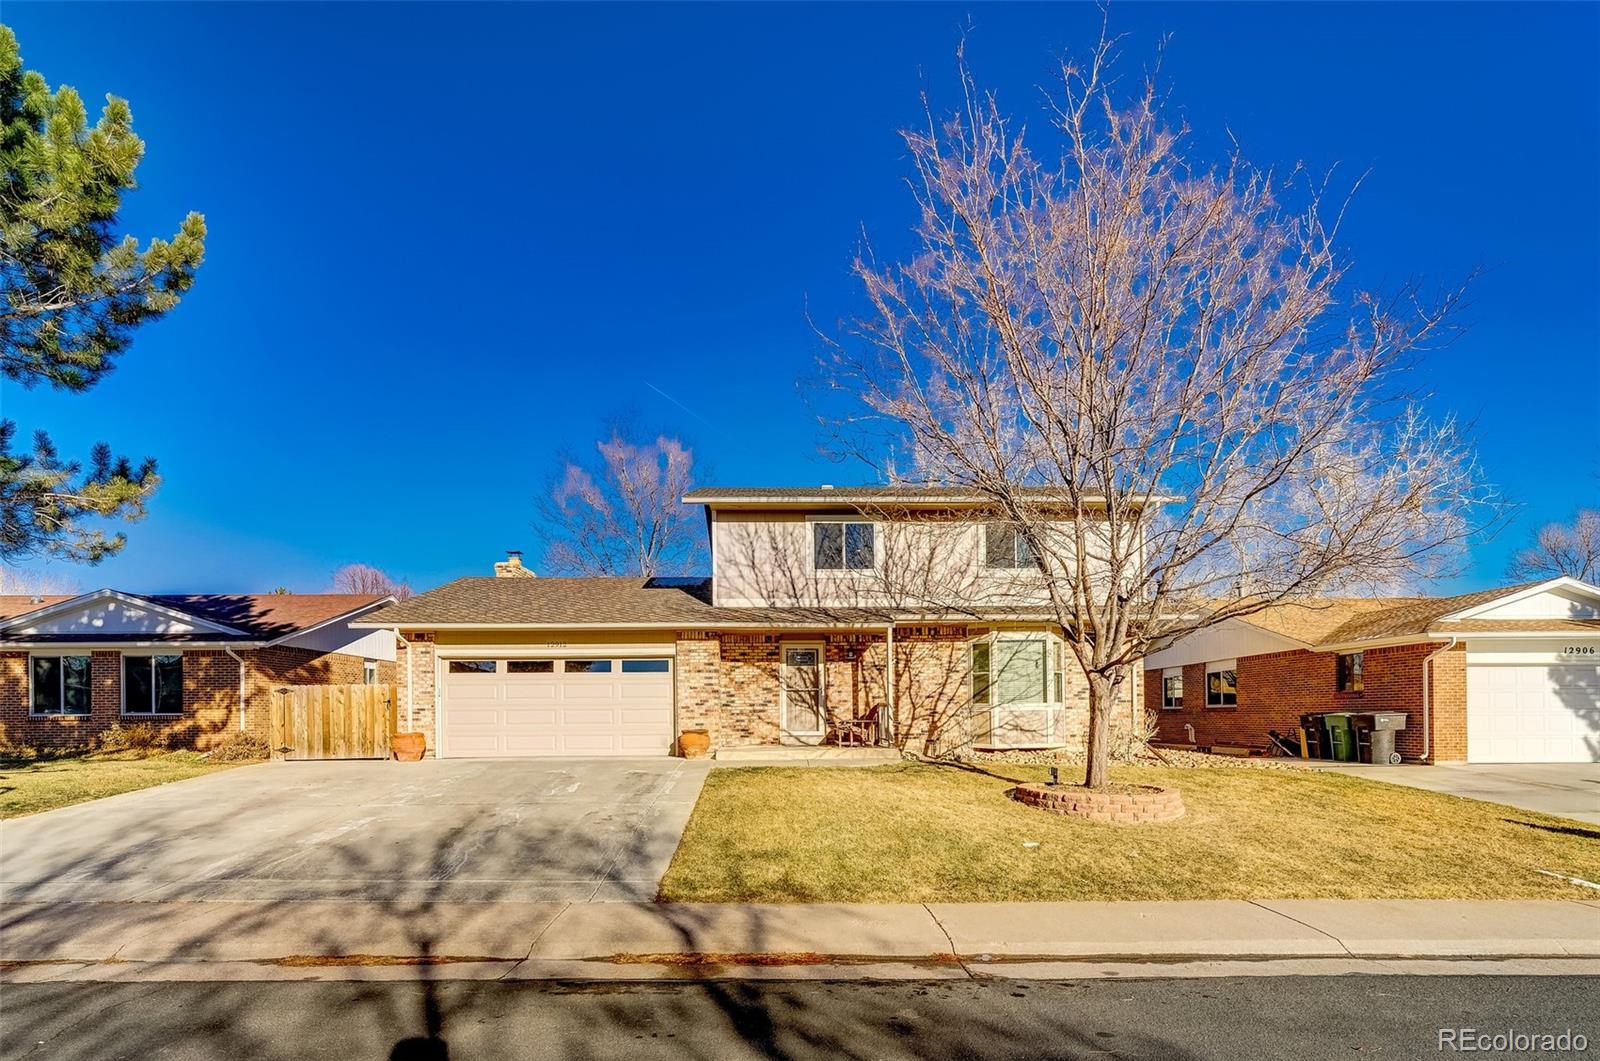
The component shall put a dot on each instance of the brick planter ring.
(1147, 804)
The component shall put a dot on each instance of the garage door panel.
(1533, 713)
(556, 713)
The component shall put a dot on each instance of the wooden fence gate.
(332, 721)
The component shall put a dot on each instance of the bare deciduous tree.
(1155, 375)
(369, 581)
(31, 582)
(623, 515)
(1559, 549)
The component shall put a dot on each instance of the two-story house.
(862, 615)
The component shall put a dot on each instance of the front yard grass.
(949, 833)
(30, 785)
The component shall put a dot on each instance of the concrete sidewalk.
(627, 941)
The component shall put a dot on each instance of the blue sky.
(450, 242)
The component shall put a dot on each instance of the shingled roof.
(256, 616)
(1349, 620)
(620, 602)
(487, 600)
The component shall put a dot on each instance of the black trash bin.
(1316, 736)
(1375, 732)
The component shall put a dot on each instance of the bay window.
(1017, 686)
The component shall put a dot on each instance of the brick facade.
(414, 687)
(211, 692)
(1276, 688)
(727, 683)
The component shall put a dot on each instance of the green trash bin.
(1341, 736)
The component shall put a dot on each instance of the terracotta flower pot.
(408, 747)
(694, 743)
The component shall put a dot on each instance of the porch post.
(888, 726)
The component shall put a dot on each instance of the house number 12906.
(1575, 651)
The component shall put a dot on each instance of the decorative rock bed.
(1120, 803)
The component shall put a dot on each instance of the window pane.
(369, 673)
(1229, 683)
(75, 685)
(828, 545)
(1019, 672)
(530, 666)
(138, 692)
(858, 546)
(169, 685)
(46, 685)
(586, 666)
(999, 545)
(1024, 555)
(472, 666)
(644, 666)
(980, 673)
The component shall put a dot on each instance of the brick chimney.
(511, 566)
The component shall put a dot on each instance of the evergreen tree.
(74, 294)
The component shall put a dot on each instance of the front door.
(800, 680)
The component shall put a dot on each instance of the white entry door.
(590, 706)
(1543, 713)
(800, 694)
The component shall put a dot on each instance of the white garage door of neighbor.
(1546, 713)
(596, 705)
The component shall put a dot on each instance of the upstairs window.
(1004, 546)
(1350, 672)
(369, 673)
(152, 685)
(1222, 684)
(1172, 688)
(60, 685)
(842, 546)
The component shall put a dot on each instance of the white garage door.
(596, 705)
(1533, 714)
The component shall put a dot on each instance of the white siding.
(1559, 603)
(108, 615)
(1232, 639)
(340, 639)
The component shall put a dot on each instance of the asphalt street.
(1301, 1017)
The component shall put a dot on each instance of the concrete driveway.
(1571, 790)
(450, 830)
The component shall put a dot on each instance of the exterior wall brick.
(415, 706)
(728, 684)
(210, 696)
(1276, 688)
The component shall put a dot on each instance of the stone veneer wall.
(727, 683)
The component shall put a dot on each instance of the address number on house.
(1580, 652)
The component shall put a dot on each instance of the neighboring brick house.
(198, 667)
(1504, 675)
(802, 635)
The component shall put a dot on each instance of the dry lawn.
(28, 786)
(944, 833)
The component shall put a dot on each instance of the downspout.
(1427, 682)
(237, 659)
